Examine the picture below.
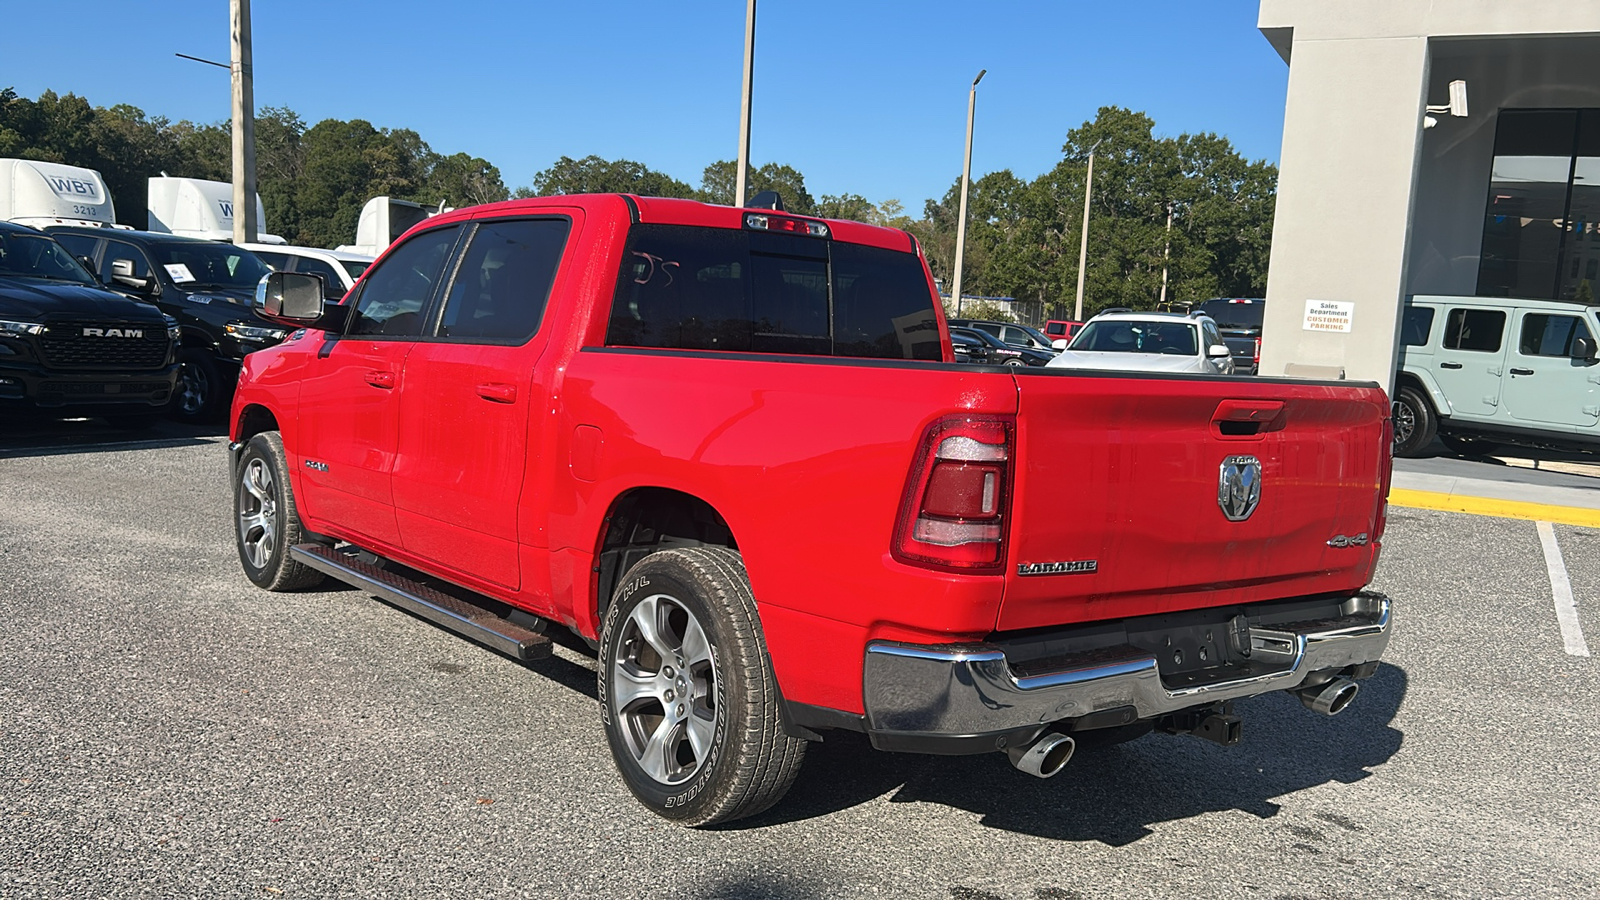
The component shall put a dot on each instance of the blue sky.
(862, 96)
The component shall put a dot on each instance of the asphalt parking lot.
(166, 729)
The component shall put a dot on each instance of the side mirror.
(1583, 348)
(293, 298)
(122, 273)
(1058, 344)
(1217, 351)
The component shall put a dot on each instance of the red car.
(1062, 329)
(731, 448)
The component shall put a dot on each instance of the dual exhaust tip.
(1049, 754)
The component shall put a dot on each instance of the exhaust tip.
(1331, 698)
(1045, 757)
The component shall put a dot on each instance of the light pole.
(1166, 257)
(744, 103)
(966, 175)
(244, 126)
(1083, 242)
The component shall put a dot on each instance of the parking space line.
(1561, 589)
(1487, 506)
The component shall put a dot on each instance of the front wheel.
(266, 522)
(1414, 422)
(688, 697)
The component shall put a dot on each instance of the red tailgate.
(1123, 473)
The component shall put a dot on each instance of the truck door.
(1544, 384)
(1470, 361)
(466, 412)
(349, 406)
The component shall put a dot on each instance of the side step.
(440, 608)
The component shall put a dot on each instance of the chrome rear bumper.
(964, 692)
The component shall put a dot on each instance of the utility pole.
(1166, 256)
(244, 125)
(744, 106)
(1083, 242)
(966, 175)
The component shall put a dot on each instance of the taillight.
(1386, 474)
(764, 222)
(957, 500)
(1258, 354)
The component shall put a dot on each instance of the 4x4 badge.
(1239, 487)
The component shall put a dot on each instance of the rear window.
(1474, 329)
(1415, 325)
(1235, 313)
(690, 288)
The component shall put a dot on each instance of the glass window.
(354, 268)
(1544, 335)
(1415, 325)
(1237, 314)
(36, 256)
(504, 280)
(77, 244)
(1137, 336)
(209, 265)
(332, 284)
(116, 250)
(278, 262)
(1526, 211)
(720, 289)
(397, 292)
(1474, 329)
(1056, 329)
(1212, 335)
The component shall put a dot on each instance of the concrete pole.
(966, 176)
(1166, 257)
(1083, 242)
(244, 126)
(744, 104)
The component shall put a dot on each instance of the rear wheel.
(266, 522)
(1414, 422)
(688, 696)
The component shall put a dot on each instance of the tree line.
(1022, 236)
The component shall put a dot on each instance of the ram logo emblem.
(114, 332)
(1239, 487)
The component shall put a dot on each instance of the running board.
(464, 618)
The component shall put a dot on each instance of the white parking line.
(1561, 589)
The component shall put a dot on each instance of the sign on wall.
(1328, 315)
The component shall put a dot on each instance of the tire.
(1468, 446)
(723, 754)
(1414, 422)
(196, 396)
(265, 522)
(1013, 361)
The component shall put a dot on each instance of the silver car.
(1149, 342)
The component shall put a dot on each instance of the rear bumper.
(963, 698)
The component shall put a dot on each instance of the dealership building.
(1386, 190)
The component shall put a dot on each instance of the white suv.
(1149, 342)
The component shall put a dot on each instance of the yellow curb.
(1503, 509)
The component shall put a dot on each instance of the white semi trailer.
(45, 193)
(204, 209)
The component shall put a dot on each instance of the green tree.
(594, 175)
(462, 180)
(719, 182)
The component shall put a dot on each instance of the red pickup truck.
(730, 448)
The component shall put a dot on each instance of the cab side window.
(1544, 335)
(396, 293)
(277, 262)
(332, 284)
(1416, 325)
(1474, 329)
(116, 250)
(78, 245)
(501, 288)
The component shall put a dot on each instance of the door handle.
(379, 379)
(1522, 371)
(1449, 365)
(495, 392)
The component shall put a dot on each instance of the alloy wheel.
(258, 514)
(664, 685)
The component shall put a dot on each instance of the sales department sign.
(1239, 487)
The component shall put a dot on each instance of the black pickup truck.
(206, 285)
(1239, 319)
(70, 347)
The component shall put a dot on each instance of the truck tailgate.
(1116, 509)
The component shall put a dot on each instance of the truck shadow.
(1114, 795)
(33, 436)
